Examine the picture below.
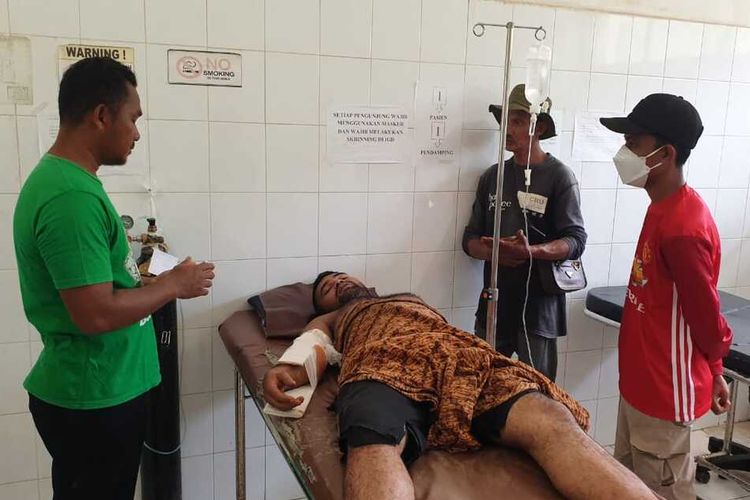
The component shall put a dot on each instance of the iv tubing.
(532, 129)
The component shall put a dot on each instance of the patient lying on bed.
(409, 381)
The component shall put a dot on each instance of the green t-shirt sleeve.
(72, 234)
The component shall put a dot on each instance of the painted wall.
(726, 12)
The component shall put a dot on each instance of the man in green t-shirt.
(82, 291)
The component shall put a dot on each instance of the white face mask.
(632, 168)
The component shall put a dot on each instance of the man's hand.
(509, 251)
(720, 396)
(281, 378)
(100, 308)
(485, 248)
(514, 250)
(189, 279)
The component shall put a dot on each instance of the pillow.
(284, 311)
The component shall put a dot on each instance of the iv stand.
(491, 294)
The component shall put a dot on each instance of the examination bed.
(726, 457)
(310, 444)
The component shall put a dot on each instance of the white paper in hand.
(162, 262)
(306, 391)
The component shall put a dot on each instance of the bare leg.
(377, 472)
(577, 466)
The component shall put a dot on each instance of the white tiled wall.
(240, 176)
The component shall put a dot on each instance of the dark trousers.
(543, 349)
(95, 453)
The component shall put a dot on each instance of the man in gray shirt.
(556, 232)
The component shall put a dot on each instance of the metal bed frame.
(240, 395)
(724, 454)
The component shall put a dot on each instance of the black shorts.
(371, 412)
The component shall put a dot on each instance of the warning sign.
(191, 67)
(69, 54)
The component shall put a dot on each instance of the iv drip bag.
(538, 63)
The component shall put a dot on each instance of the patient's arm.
(281, 378)
(284, 377)
(325, 323)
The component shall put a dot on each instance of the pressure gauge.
(127, 221)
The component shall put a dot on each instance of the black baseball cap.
(667, 116)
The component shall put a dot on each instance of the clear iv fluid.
(538, 62)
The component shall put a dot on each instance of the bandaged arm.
(303, 364)
(314, 350)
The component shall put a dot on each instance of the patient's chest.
(388, 323)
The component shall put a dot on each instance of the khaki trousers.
(658, 451)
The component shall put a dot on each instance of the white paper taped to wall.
(15, 70)
(368, 134)
(553, 144)
(48, 125)
(591, 140)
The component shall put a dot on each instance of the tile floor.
(717, 488)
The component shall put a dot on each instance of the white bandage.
(304, 346)
(303, 353)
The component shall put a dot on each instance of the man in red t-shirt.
(673, 336)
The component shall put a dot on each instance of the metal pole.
(239, 435)
(492, 291)
(729, 427)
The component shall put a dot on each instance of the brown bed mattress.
(311, 442)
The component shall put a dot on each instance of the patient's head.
(332, 290)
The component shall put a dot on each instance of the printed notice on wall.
(591, 140)
(191, 67)
(368, 134)
(439, 121)
(553, 145)
(70, 53)
(15, 70)
(48, 125)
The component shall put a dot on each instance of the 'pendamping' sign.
(191, 67)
